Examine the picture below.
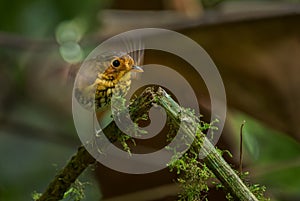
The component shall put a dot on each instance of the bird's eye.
(116, 63)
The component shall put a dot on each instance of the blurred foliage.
(38, 18)
(274, 156)
(34, 137)
(30, 164)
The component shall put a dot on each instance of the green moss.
(196, 179)
(36, 195)
(76, 191)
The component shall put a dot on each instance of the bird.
(101, 77)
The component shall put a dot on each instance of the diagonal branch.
(82, 159)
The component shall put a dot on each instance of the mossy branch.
(213, 159)
(138, 108)
(67, 176)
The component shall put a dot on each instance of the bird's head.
(120, 65)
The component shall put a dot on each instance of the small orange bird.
(101, 77)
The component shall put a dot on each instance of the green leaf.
(274, 155)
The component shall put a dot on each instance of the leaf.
(275, 157)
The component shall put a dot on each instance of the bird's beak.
(137, 69)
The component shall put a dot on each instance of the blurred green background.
(255, 45)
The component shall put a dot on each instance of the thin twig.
(241, 147)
